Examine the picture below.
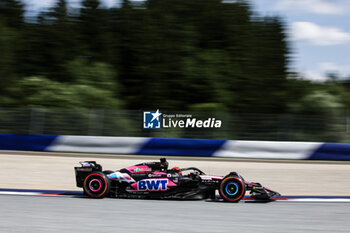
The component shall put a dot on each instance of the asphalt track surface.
(68, 214)
(54, 171)
(20, 213)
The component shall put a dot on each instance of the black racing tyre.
(96, 185)
(232, 189)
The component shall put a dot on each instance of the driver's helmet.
(177, 169)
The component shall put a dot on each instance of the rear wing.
(84, 170)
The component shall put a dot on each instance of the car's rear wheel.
(232, 189)
(96, 185)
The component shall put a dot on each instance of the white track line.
(318, 200)
(19, 193)
(333, 200)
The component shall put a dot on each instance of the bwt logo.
(151, 120)
(152, 185)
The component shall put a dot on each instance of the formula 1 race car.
(154, 180)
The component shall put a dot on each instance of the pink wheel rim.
(95, 189)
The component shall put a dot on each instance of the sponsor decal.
(157, 120)
(211, 179)
(85, 164)
(142, 169)
(154, 175)
(152, 185)
(85, 169)
(121, 177)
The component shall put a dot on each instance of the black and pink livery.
(155, 180)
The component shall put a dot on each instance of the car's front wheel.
(96, 185)
(232, 189)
